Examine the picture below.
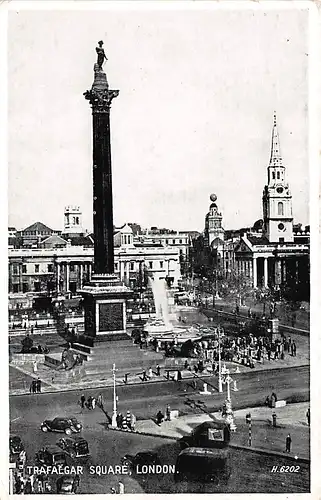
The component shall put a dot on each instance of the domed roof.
(258, 224)
(213, 205)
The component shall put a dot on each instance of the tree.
(235, 286)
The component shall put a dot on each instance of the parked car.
(140, 459)
(202, 465)
(68, 484)
(213, 434)
(74, 446)
(68, 425)
(15, 445)
(51, 455)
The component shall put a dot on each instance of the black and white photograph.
(159, 213)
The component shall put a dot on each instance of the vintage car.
(140, 459)
(202, 465)
(67, 484)
(212, 434)
(74, 446)
(68, 425)
(15, 445)
(51, 455)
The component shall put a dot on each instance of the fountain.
(162, 326)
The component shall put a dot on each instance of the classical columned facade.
(281, 265)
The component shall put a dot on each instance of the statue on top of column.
(101, 56)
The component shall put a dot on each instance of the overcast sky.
(193, 117)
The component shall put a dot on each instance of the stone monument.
(105, 296)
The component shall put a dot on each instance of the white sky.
(194, 114)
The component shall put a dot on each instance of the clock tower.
(277, 198)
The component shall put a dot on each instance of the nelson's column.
(105, 296)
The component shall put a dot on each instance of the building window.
(50, 268)
(72, 267)
(15, 287)
(280, 208)
(36, 269)
(37, 286)
(180, 242)
(161, 264)
(278, 175)
(15, 269)
(174, 242)
(166, 241)
(132, 264)
(281, 240)
(25, 287)
(273, 175)
(150, 264)
(116, 266)
(24, 268)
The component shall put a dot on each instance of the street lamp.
(228, 404)
(114, 417)
(220, 383)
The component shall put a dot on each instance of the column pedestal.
(105, 307)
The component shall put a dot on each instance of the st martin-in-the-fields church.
(278, 257)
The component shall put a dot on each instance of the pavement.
(132, 360)
(290, 419)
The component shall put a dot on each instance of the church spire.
(275, 158)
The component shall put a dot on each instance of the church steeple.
(277, 198)
(275, 158)
(276, 169)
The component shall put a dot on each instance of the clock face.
(281, 226)
(279, 189)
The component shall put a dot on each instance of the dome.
(213, 205)
(213, 197)
(258, 224)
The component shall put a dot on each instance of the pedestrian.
(100, 401)
(82, 400)
(168, 412)
(144, 376)
(89, 400)
(159, 417)
(93, 403)
(31, 329)
(308, 416)
(124, 424)
(194, 384)
(119, 420)
(38, 385)
(150, 372)
(158, 370)
(128, 419)
(186, 365)
(28, 488)
(132, 422)
(294, 348)
(274, 419)
(179, 375)
(288, 442)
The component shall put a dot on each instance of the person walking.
(38, 385)
(93, 403)
(150, 372)
(100, 401)
(168, 413)
(274, 419)
(158, 370)
(119, 420)
(159, 417)
(132, 422)
(294, 348)
(288, 442)
(308, 416)
(82, 400)
(144, 376)
(89, 401)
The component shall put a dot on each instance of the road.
(146, 400)
(251, 472)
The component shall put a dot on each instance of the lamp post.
(220, 383)
(228, 404)
(114, 417)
